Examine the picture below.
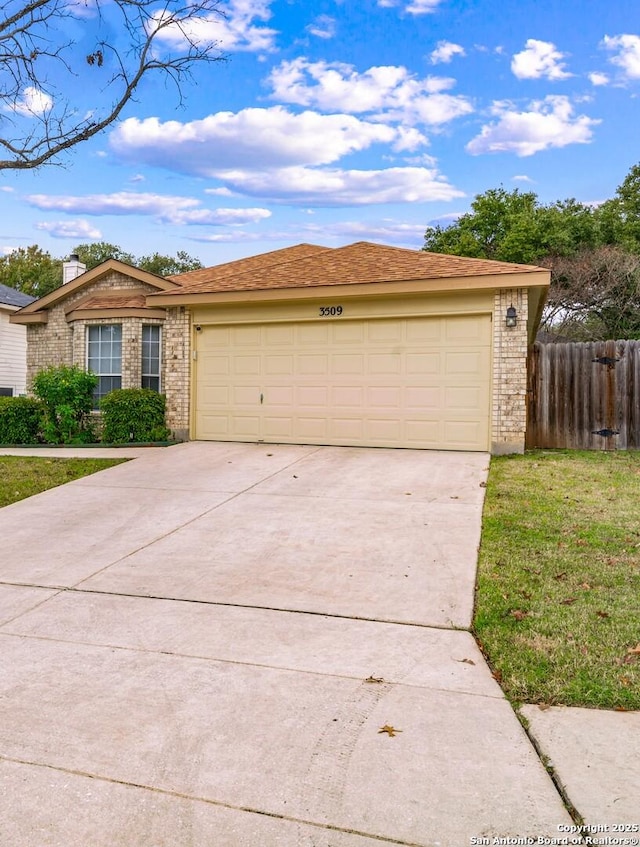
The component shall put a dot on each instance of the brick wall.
(509, 401)
(62, 342)
(177, 370)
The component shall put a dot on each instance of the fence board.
(584, 395)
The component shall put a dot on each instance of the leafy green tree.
(512, 226)
(169, 265)
(31, 270)
(94, 254)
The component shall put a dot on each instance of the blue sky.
(333, 122)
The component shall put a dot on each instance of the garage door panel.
(312, 395)
(384, 396)
(347, 396)
(275, 365)
(342, 365)
(380, 364)
(351, 332)
(424, 397)
(244, 365)
(464, 398)
(412, 382)
(423, 363)
(467, 362)
(347, 429)
(244, 336)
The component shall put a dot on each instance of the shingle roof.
(12, 297)
(357, 263)
(123, 301)
(261, 262)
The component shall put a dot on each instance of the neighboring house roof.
(12, 297)
(307, 266)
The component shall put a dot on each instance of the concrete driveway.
(202, 646)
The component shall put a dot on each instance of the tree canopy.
(34, 271)
(68, 69)
(593, 253)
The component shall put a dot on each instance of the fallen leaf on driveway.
(390, 730)
(543, 707)
(483, 485)
(467, 661)
(372, 678)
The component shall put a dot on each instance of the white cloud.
(70, 229)
(167, 209)
(333, 187)
(521, 178)
(251, 138)
(7, 188)
(388, 92)
(627, 49)
(387, 231)
(33, 102)
(548, 123)
(597, 78)
(414, 7)
(239, 30)
(445, 51)
(219, 192)
(539, 60)
(324, 26)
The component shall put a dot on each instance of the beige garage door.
(410, 382)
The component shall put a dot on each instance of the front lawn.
(23, 476)
(558, 598)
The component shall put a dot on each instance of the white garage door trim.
(419, 382)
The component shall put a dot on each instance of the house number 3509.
(330, 311)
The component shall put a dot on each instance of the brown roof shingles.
(358, 263)
(109, 301)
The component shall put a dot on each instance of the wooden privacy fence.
(584, 395)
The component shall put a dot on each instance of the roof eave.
(530, 278)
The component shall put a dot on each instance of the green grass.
(558, 598)
(23, 476)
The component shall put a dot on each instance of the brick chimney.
(72, 268)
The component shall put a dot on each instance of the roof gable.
(95, 274)
(359, 263)
(205, 277)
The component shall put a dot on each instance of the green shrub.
(67, 396)
(133, 414)
(20, 420)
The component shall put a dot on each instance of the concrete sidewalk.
(221, 644)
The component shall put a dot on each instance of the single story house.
(13, 343)
(358, 345)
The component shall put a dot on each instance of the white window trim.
(159, 374)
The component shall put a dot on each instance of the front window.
(151, 357)
(104, 358)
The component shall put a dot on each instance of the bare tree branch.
(131, 40)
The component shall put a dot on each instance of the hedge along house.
(362, 345)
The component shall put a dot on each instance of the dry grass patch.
(558, 600)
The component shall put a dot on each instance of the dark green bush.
(133, 414)
(20, 420)
(67, 396)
